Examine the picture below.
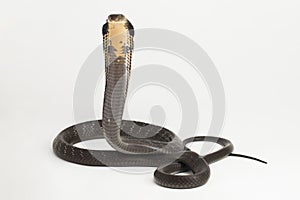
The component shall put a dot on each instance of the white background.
(254, 44)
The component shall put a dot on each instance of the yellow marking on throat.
(118, 35)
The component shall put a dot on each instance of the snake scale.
(135, 143)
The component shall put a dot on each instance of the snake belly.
(135, 143)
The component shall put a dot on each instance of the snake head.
(117, 23)
(117, 18)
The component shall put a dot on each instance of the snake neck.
(118, 47)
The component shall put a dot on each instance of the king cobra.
(135, 143)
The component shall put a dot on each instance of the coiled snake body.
(136, 143)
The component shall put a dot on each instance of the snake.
(135, 143)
